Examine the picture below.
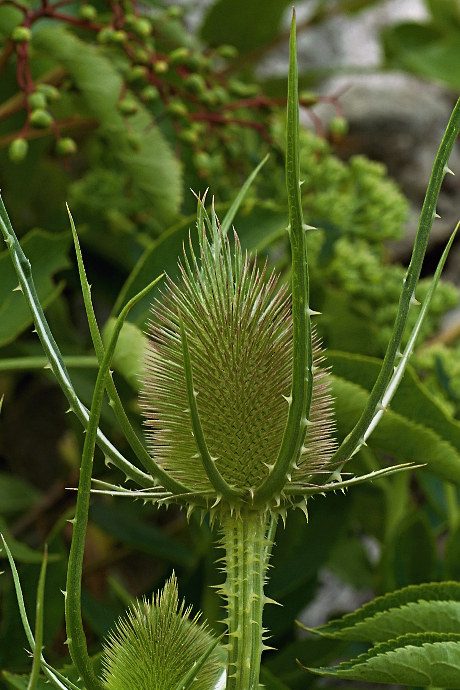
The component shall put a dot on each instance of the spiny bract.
(239, 333)
(157, 645)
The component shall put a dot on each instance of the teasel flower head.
(157, 644)
(218, 378)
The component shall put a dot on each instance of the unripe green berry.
(338, 126)
(17, 150)
(105, 35)
(127, 106)
(37, 100)
(174, 12)
(88, 13)
(119, 37)
(66, 147)
(221, 95)
(21, 34)
(242, 90)
(308, 98)
(228, 52)
(177, 108)
(202, 161)
(50, 92)
(136, 73)
(141, 55)
(161, 66)
(150, 93)
(142, 27)
(41, 118)
(209, 98)
(134, 140)
(195, 61)
(130, 19)
(195, 83)
(189, 136)
(179, 56)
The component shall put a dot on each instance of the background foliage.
(134, 109)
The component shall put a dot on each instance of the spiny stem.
(150, 465)
(355, 439)
(246, 548)
(24, 272)
(302, 350)
(75, 634)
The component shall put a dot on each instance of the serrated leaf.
(153, 169)
(412, 399)
(396, 435)
(416, 617)
(427, 659)
(47, 254)
(403, 599)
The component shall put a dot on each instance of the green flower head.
(157, 645)
(218, 377)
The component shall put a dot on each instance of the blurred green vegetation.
(134, 110)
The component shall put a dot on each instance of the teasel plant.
(240, 426)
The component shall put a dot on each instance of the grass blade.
(33, 680)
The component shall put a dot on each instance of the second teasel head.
(237, 325)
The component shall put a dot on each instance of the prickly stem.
(246, 547)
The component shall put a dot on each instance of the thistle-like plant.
(238, 410)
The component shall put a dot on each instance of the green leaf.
(129, 353)
(153, 169)
(412, 399)
(238, 23)
(393, 608)
(47, 254)
(146, 538)
(16, 495)
(396, 435)
(427, 659)
(425, 50)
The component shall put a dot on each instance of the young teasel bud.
(238, 329)
(157, 644)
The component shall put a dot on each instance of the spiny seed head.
(156, 645)
(238, 327)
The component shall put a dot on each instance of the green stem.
(57, 365)
(355, 438)
(246, 545)
(31, 363)
(75, 634)
(302, 351)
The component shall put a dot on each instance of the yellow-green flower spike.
(219, 369)
(156, 646)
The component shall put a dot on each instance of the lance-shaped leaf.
(395, 609)
(302, 349)
(355, 438)
(424, 660)
(23, 270)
